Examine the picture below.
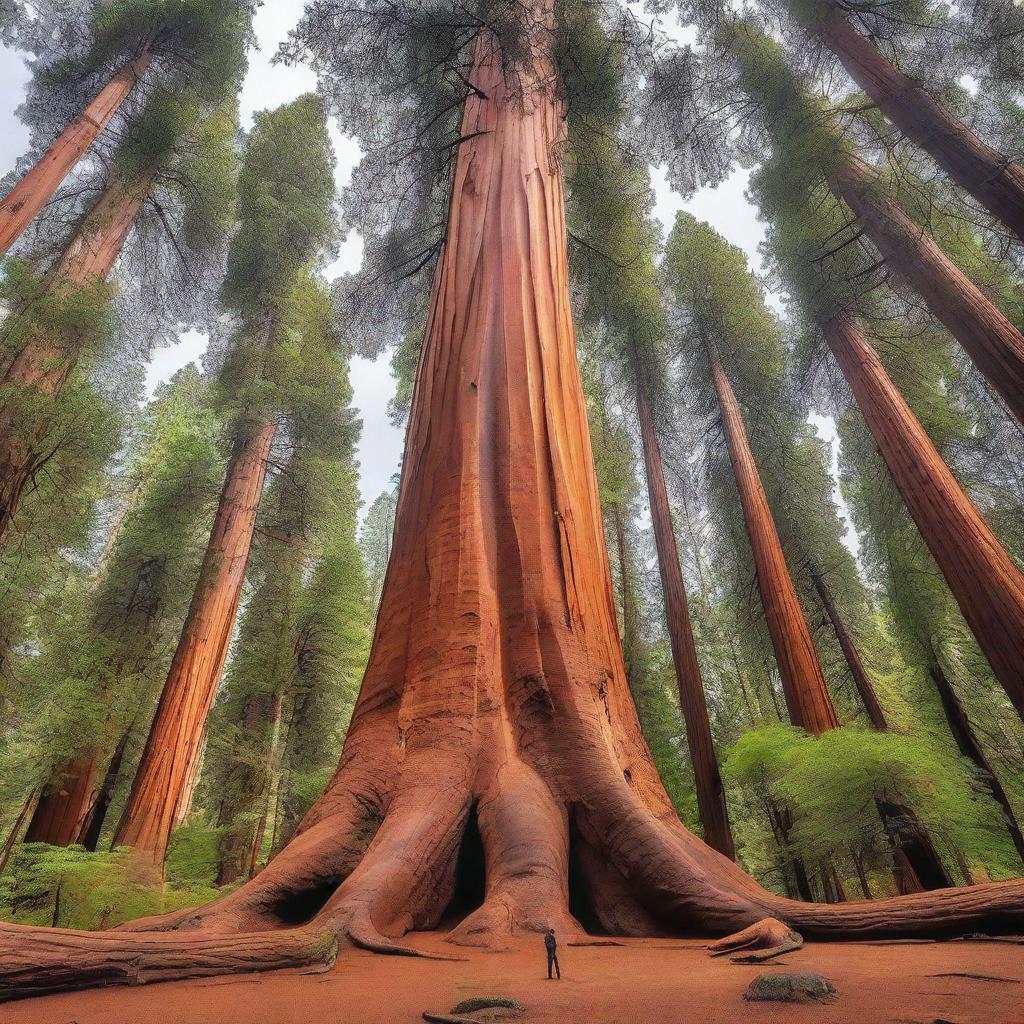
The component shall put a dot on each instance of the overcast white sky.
(266, 86)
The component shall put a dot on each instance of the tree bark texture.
(44, 363)
(162, 782)
(987, 336)
(495, 690)
(711, 804)
(987, 585)
(37, 186)
(65, 802)
(89, 834)
(996, 181)
(807, 697)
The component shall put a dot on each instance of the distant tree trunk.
(963, 733)
(240, 848)
(89, 836)
(917, 864)
(175, 739)
(37, 186)
(714, 814)
(987, 585)
(12, 837)
(44, 363)
(862, 681)
(987, 336)
(807, 697)
(630, 625)
(991, 177)
(64, 803)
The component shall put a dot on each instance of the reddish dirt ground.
(641, 982)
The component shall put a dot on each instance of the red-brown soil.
(644, 981)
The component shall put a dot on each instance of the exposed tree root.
(768, 938)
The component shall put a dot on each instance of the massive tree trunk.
(963, 733)
(996, 181)
(917, 864)
(987, 336)
(714, 814)
(495, 690)
(36, 187)
(42, 365)
(987, 585)
(162, 782)
(807, 697)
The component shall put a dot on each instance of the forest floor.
(640, 982)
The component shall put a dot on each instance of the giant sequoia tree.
(495, 688)
(188, 42)
(285, 195)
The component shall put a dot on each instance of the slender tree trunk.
(917, 864)
(987, 585)
(714, 814)
(37, 186)
(268, 789)
(239, 849)
(43, 364)
(495, 684)
(862, 681)
(64, 804)
(630, 626)
(89, 836)
(963, 734)
(987, 336)
(12, 837)
(996, 181)
(807, 696)
(175, 739)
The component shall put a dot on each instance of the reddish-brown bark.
(36, 187)
(714, 814)
(807, 697)
(162, 782)
(89, 834)
(64, 804)
(495, 689)
(43, 364)
(996, 181)
(987, 585)
(986, 334)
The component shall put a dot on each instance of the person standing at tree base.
(552, 947)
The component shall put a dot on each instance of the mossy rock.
(500, 1007)
(790, 988)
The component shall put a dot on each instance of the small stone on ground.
(790, 988)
